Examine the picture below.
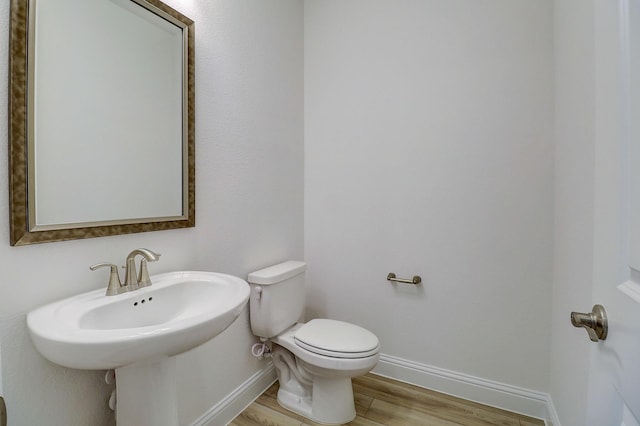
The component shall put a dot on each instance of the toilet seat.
(334, 362)
(336, 339)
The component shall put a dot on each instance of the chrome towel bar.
(415, 280)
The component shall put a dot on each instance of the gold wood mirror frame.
(22, 231)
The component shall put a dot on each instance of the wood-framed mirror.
(101, 119)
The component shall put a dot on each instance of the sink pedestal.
(146, 393)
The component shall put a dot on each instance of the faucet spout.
(132, 280)
(146, 253)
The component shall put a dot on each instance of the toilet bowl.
(314, 361)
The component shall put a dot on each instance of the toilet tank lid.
(277, 273)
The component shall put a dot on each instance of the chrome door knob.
(594, 322)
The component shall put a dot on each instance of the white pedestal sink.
(138, 333)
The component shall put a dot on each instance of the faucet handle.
(143, 277)
(115, 286)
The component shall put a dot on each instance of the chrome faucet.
(142, 280)
(131, 281)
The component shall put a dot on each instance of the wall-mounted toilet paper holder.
(415, 280)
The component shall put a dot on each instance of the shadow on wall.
(316, 304)
(36, 389)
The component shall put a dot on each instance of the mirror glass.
(101, 110)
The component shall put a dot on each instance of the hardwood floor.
(382, 401)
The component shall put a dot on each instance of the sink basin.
(138, 333)
(180, 311)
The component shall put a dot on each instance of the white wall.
(574, 197)
(428, 150)
(428, 128)
(249, 154)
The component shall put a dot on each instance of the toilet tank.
(277, 298)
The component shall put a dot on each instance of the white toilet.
(315, 361)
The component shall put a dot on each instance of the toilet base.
(331, 401)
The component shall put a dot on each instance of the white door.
(614, 367)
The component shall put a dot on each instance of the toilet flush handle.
(258, 292)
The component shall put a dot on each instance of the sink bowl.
(180, 311)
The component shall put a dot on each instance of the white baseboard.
(512, 398)
(553, 414)
(233, 404)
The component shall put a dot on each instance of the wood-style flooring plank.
(362, 403)
(273, 390)
(393, 415)
(381, 401)
(433, 403)
(259, 415)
